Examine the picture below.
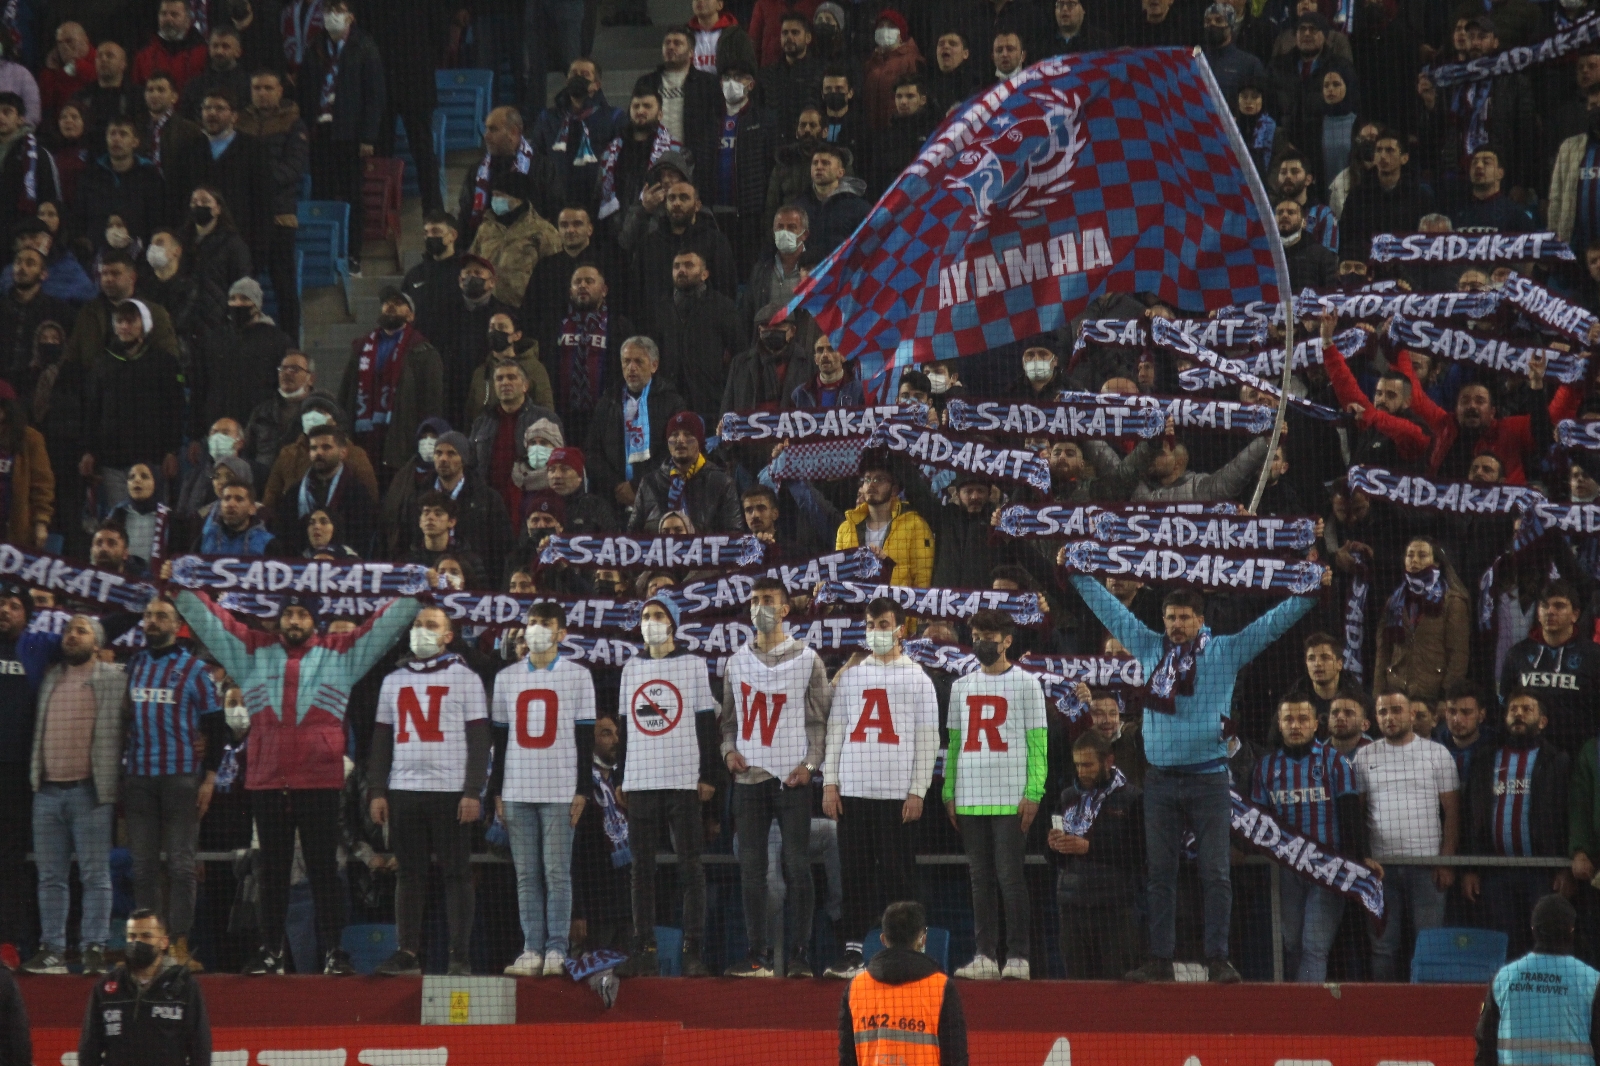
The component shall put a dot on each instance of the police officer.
(1542, 1007)
(148, 1011)
(902, 1009)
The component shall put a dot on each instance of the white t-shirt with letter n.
(542, 706)
(770, 705)
(994, 713)
(1403, 783)
(881, 712)
(429, 704)
(660, 698)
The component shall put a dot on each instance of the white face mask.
(880, 641)
(220, 445)
(539, 638)
(425, 449)
(425, 643)
(655, 633)
(733, 91)
(237, 715)
(310, 420)
(764, 618)
(1037, 369)
(336, 23)
(451, 580)
(939, 383)
(157, 257)
(539, 456)
(788, 243)
(886, 37)
(117, 237)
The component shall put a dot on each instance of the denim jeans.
(541, 850)
(1174, 802)
(162, 816)
(1406, 889)
(68, 820)
(1311, 916)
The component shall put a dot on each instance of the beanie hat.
(570, 457)
(249, 288)
(239, 469)
(548, 502)
(690, 423)
(457, 440)
(667, 604)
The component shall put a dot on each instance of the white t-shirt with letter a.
(883, 731)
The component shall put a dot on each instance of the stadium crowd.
(610, 284)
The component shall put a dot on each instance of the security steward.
(903, 1011)
(148, 1011)
(1541, 1010)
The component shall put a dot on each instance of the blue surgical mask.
(500, 205)
(539, 456)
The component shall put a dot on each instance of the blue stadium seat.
(402, 151)
(368, 945)
(269, 295)
(322, 242)
(464, 96)
(669, 950)
(937, 948)
(1469, 956)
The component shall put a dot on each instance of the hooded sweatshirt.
(1565, 678)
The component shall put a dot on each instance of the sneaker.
(338, 964)
(354, 263)
(848, 965)
(981, 968)
(693, 965)
(641, 963)
(1016, 970)
(264, 962)
(799, 966)
(45, 961)
(180, 955)
(458, 968)
(9, 957)
(528, 964)
(94, 960)
(1221, 972)
(750, 967)
(401, 964)
(555, 963)
(1153, 970)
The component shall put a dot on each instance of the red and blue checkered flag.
(1106, 172)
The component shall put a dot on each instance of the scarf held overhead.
(1023, 608)
(1065, 520)
(632, 553)
(1083, 415)
(1210, 571)
(1494, 353)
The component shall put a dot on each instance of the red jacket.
(1409, 438)
(183, 61)
(1507, 439)
(766, 26)
(56, 86)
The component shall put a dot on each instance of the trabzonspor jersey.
(661, 698)
(429, 704)
(994, 713)
(770, 708)
(873, 722)
(542, 706)
(1304, 792)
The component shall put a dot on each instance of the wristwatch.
(809, 768)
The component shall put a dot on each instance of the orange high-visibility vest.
(896, 1025)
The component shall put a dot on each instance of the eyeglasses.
(290, 368)
(874, 479)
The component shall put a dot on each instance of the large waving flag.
(1107, 172)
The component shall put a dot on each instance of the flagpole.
(1280, 263)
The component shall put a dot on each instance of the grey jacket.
(1226, 484)
(110, 689)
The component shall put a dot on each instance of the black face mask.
(49, 353)
(141, 956)
(774, 340)
(120, 346)
(835, 101)
(242, 316)
(202, 215)
(823, 35)
(987, 651)
(1216, 36)
(1351, 282)
(390, 323)
(474, 288)
(434, 246)
(499, 340)
(577, 88)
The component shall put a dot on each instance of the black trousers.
(336, 175)
(652, 815)
(419, 131)
(876, 865)
(280, 267)
(314, 812)
(423, 827)
(1099, 943)
(17, 882)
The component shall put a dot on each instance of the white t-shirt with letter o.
(542, 707)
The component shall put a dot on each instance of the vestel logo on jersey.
(657, 707)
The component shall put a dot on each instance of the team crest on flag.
(1106, 172)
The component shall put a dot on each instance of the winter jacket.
(1563, 206)
(1311, 266)
(702, 103)
(882, 71)
(1548, 796)
(294, 459)
(897, 147)
(1565, 680)
(901, 966)
(755, 141)
(434, 286)
(710, 497)
(244, 173)
(789, 88)
(235, 82)
(1371, 209)
(700, 341)
(909, 543)
(297, 694)
(288, 146)
(486, 425)
(273, 425)
(807, 395)
(235, 374)
(411, 35)
(1435, 655)
(652, 260)
(965, 558)
(221, 258)
(138, 196)
(1226, 484)
(359, 93)
(129, 1025)
(483, 525)
(559, 133)
(110, 684)
(183, 59)
(757, 379)
(33, 490)
(460, 334)
(543, 175)
(419, 395)
(791, 175)
(16, 1048)
(253, 541)
(515, 247)
(1509, 438)
(1110, 872)
(480, 390)
(605, 454)
(15, 202)
(733, 45)
(836, 218)
(766, 26)
(1583, 802)
(134, 408)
